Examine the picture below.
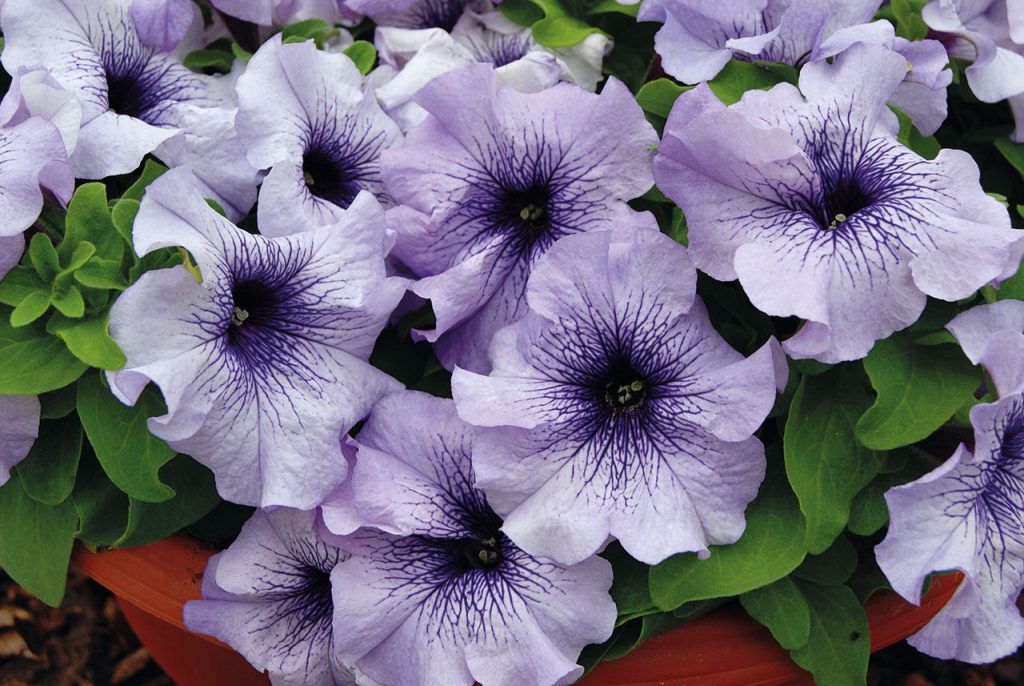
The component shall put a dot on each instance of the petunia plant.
(484, 340)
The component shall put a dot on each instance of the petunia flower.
(808, 199)
(262, 364)
(269, 596)
(614, 408)
(700, 36)
(990, 35)
(437, 593)
(280, 12)
(135, 100)
(19, 427)
(966, 515)
(37, 122)
(492, 178)
(992, 335)
(162, 24)
(413, 14)
(418, 55)
(320, 135)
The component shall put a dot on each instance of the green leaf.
(83, 251)
(737, 77)
(43, 256)
(658, 96)
(35, 541)
(57, 404)
(909, 23)
(927, 147)
(630, 590)
(222, 523)
(101, 506)
(561, 32)
(129, 454)
(48, 471)
(832, 567)
(839, 644)
(240, 53)
(19, 283)
(919, 388)
(70, 303)
(102, 274)
(679, 231)
(123, 216)
(151, 171)
(363, 54)
(217, 60)
(825, 464)
(30, 309)
(89, 220)
(316, 30)
(1013, 152)
(195, 496)
(771, 547)
(90, 341)
(522, 12)
(611, 6)
(216, 207)
(782, 609)
(34, 362)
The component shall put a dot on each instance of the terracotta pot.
(723, 648)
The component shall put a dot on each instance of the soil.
(86, 642)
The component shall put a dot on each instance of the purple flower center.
(339, 161)
(435, 14)
(524, 213)
(254, 305)
(499, 49)
(135, 91)
(481, 553)
(622, 389)
(300, 585)
(328, 179)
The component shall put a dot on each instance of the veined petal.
(19, 427)
(452, 600)
(322, 123)
(275, 338)
(268, 596)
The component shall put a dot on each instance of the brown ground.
(88, 643)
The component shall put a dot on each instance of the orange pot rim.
(159, 578)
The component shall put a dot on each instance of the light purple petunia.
(993, 336)
(966, 515)
(492, 178)
(439, 595)
(415, 56)
(135, 100)
(162, 24)
(280, 12)
(809, 200)
(700, 36)
(19, 427)
(616, 409)
(990, 35)
(414, 14)
(263, 364)
(269, 596)
(37, 122)
(320, 135)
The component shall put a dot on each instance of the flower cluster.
(477, 306)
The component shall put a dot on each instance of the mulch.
(84, 643)
(88, 643)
